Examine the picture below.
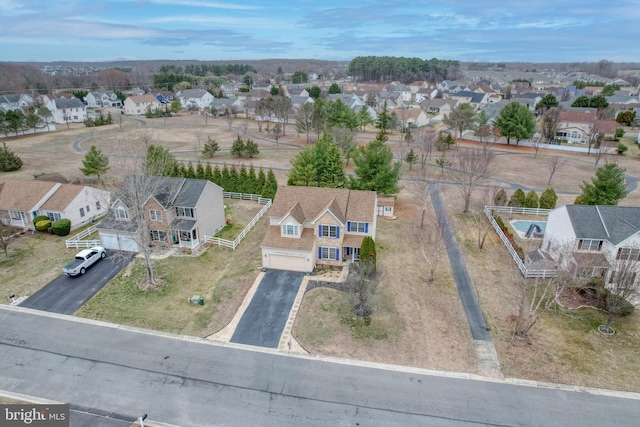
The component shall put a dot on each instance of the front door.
(355, 254)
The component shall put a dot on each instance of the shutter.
(319, 253)
(366, 227)
(348, 225)
(337, 254)
(319, 231)
(337, 232)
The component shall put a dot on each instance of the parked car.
(83, 260)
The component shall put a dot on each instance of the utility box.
(196, 299)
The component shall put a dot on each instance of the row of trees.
(389, 68)
(547, 199)
(16, 121)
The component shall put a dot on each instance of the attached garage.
(285, 262)
(118, 242)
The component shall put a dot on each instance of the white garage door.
(283, 262)
(119, 243)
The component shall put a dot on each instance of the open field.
(416, 322)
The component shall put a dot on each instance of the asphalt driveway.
(266, 316)
(65, 295)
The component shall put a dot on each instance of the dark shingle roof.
(612, 223)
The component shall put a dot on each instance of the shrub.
(619, 133)
(517, 198)
(61, 227)
(531, 200)
(368, 250)
(548, 199)
(43, 225)
(501, 198)
(39, 218)
(621, 148)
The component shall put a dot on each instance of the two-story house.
(592, 240)
(102, 99)
(180, 213)
(313, 225)
(65, 108)
(194, 99)
(140, 104)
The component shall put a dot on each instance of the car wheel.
(82, 270)
(104, 254)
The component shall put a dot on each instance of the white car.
(83, 260)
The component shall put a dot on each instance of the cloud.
(207, 4)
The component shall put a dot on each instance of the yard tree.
(548, 199)
(608, 187)
(426, 138)
(95, 163)
(270, 186)
(461, 118)
(159, 160)
(384, 118)
(531, 200)
(469, 169)
(626, 117)
(303, 170)
(251, 148)
(304, 120)
(344, 139)
(5, 233)
(411, 158)
(517, 198)
(314, 91)
(623, 286)
(548, 101)
(211, 147)
(299, 77)
(8, 160)
(260, 180)
(200, 172)
(176, 106)
(364, 117)
(238, 147)
(368, 250)
(549, 123)
(45, 113)
(554, 164)
(375, 169)
(516, 121)
(362, 282)
(334, 88)
(340, 115)
(500, 199)
(318, 166)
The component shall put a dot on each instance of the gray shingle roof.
(612, 223)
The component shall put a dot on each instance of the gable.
(24, 195)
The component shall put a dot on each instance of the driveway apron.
(266, 316)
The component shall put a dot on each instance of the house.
(580, 127)
(23, 200)
(593, 239)
(102, 99)
(194, 99)
(165, 97)
(181, 214)
(223, 105)
(439, 106)
(414, 117)
(16, 102)
(140, 104)
(65, 108)
(313, 225)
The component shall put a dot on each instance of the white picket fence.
(78, 242)
(233, 244)
(526, 272)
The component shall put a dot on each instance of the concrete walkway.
(488, 362)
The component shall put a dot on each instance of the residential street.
(188, 382)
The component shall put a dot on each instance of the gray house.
(180, 217)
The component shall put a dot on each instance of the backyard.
(415, 322)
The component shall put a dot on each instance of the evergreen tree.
(238, 147)
(531, 200)
(500, 198)
(303, 169)
(517, 198)
(548, 199)
(332, 172)
(411, 158)
(208, 172)
(199, 171)
(252, 180)
(95, 163)
(225, 179)
(233, 179)
(159, 161)
(334, 88)
(175, 170)
(375, 169)
(368, 250)
(217, 176)
(251, 149)
(191, 172)
(516, 121)
(262, 178)
(183, 171)
(211, 147)
(384, 119)
(243, 180)
(8, 160)
(608, 187)
(270, 186)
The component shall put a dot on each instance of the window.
(122, 214)
(155, 215)
(86, 208)
(188, 212)
(53, 216)
(358, 227)
(589, 245)
(98, 205)
(329, 231)
(81, 212)
(290, 230)
(632, 254)
(328, 253)
(158, 236)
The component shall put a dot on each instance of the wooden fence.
(234, 243)
(78, 242)
(526, 272)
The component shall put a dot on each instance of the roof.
(274, 239)
(62, 197)
(23, 195)
(191, 93)
(143, 98)
(347, 205)
(577, 117)
(68, 103)
(182, 224)
(612, 223)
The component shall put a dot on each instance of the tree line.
(204, 69)
(389, 68)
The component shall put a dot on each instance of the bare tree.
(623, 286)
(304, 120)
(198, 134)
(426, 139)
(549, 125)
(142, 182)
(602, 152)
(362, 282)
(228, 113)
(469, 169)
(5, 231)
(432, 246)
(554, 163)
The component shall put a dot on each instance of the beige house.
(312, 225)
(23, 200)
(414, 117)
(580, 127)
(140, 104)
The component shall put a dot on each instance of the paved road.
(66, 294)
(188, 382)
(475, 318)
(264, 319)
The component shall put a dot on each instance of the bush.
(39, 218)
(621, 148)
(619, 133)
(548, 199)
(517, 198)
(501, 198)
(531, 200)
(43, 225)
(61, 227)
(368, 250)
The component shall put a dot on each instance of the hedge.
(39, 218)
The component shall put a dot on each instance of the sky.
(465, 30)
